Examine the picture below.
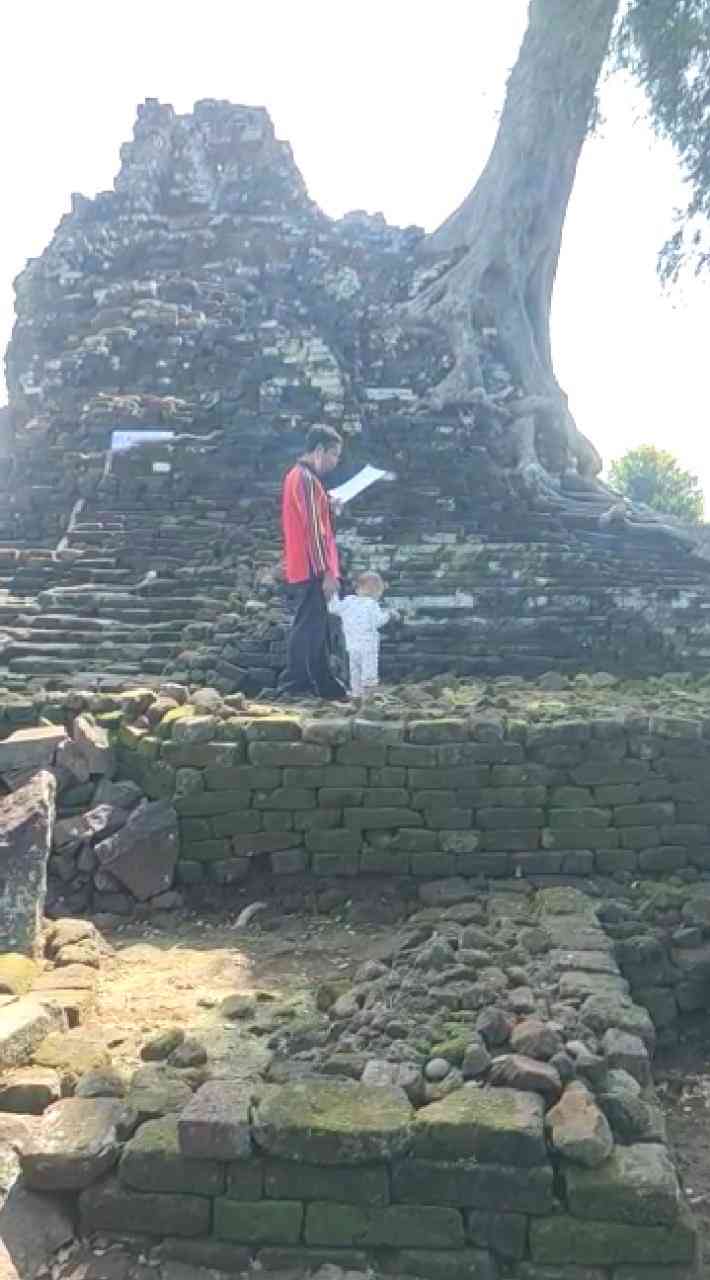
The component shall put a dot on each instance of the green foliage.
(666, 45)
(652, 476)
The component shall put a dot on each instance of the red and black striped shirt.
(309, 541)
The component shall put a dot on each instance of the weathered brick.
(639, 837)
(570, 797)
(231, 871)
(388, 733)
(504, 1188)
(195, 829)
(336, 864)
(367, 1185)
(205, 803)
(245, 1180)
(202, 755)
(541, 862)
(394, 1226)
(279, 819)
(317, 819)
(412, 757)
(458, 841)
(285, 798)
(385, 797)
(109, 1207)
(289, 862)
(215, 1123)
(685, 833)
(447, 779)
(337, 840)
(443, 819)
(433, 864)
(511, 841)
(580, 838)
(501, 817)
(510, 797)
(233, 824)
(626, 793)
(152, 1161)
(435, 731)
(329, 775)
(589, 817)
(387, 777)
(364, 819)
(389, 862)
(506, 1234)
(273, 729)
(205, 850)
(522, 775)
(594, 775)
(562, 1239)
(340, 797)
(266, 842)
(693, 813)
(644, 815)
(258, 1222)
(363, 753)
(666, 857)
(406, 840)
(496, 865)
(611, 860)
(275, 755)
(457, 754)
(243, 777)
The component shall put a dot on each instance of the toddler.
(362, 617)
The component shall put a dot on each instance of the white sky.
(389, 105)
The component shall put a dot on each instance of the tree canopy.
(666, 45)
(653, 476)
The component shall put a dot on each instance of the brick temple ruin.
(478, 1102)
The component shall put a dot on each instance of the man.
(311, 566)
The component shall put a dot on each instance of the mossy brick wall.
(461, 1190)
(431, 798)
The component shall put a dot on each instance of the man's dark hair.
(322, 437)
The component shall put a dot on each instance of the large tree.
(655, 478)
(502, 246)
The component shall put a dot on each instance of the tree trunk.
(503, 242)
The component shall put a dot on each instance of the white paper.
(346, 492)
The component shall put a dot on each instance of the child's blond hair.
(370, 580)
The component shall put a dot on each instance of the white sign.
(122, 440)
(162, 467)
(346, 492)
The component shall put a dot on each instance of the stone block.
(449, 779)
(111, 1208)
(598, 773)
(599, 1012)
(371, 819)
(142, 855)
(33, 1226)
(281, 755)
(433, 799)
(215, 1123)
(279, 819)
(448, 1264)
(92, 741)
(511, 840)
(571, 838)
(374, 797)
(29, 1090)
(339, 797)
(213, 1255)
(155, 1091)
(289, 862)
(265, 842)
(286, 798)
(496, 865)
(243, 778)
(205, 850)
(153, 1161)
(245, 1181)
(329, 775)
(445, 818)
(369, 754)
(580, 817)
(666, 857)
(296, 1260)
(365, 1185)
(258, 1222)
(437, 731)
(18, 973)
(24, 1025)
(203, 755)
(637, 1184)
(497, 1188)
(541, 862)
(504, 817)
(231, 871)
(389, 733)
(30, 749)
(434, 863)
(505, 1234)
(395, 1227)
(337, 840)
(336, 864)
(496, 1126)
(458, 841)
(408, 756)
(564, 1239)
(334, 1122)
(385, 862)
(273, 728)
(578, 1129)
(627, 1053)
(328, 732)
(205, 804)
(75, 1143)
(611, 860)
(26, 830)
(239, 823)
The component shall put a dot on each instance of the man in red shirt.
(311, 566)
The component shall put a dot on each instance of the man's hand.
(330, 586)
(336, 506)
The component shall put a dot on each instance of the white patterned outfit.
(362, 617)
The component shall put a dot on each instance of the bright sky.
(388, 106)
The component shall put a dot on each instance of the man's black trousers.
(309, 644)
